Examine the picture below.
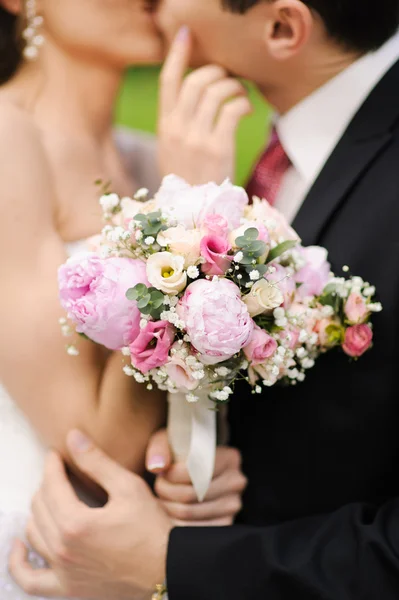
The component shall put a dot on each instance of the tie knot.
(270, 170)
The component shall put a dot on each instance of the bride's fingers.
(229, 482)
(173, 71)
(212, 103)
(36, 541)
(225, 522)
(227, 506)
(195, 90)
(230, 117)
(35, 582)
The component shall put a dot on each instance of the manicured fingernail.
(156, 463)
(183, 33)
(78, 442)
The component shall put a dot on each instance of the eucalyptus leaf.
(132, 294)
(140, 218)
(280, 249)
(257, 246)
(141, 288)
(144, 301)
(241, 241)
(251, 233)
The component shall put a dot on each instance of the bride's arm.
(56, 392)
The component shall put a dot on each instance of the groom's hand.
(118, 551)
(198, 117)
(177, 494)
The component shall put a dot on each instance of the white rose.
(165, 272)
(182, 241)
(263, 296)
(131, 208)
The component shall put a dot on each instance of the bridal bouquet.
(198, 288)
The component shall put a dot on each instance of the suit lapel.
(366, 137)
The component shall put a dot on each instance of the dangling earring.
(32, 38)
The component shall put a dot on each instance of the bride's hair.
(10, 46)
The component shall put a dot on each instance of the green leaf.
(140, 218)
(141, 288)
(146, 310)
(251, 233)
(132, 294)
(144, 301)
(241, 241)
(246, 259)
(257, 246)
(157, 299)
(280, 249)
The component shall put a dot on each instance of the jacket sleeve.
(350, 554)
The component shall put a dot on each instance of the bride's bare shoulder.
(18, 134)
(25, 175)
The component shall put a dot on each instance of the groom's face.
(233, 41)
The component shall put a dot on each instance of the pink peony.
(215, 224)
(214, 250)
(314, 275)
(151, 347)
(216, 319)
(261, 346)
(357, 340)
(93, 292)
(190, 205)
(356, 309)
(276, 223)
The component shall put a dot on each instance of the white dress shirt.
(310, 131)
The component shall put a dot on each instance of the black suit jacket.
(321, 512)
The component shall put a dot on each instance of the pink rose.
(261, 346)
(214, 250)
(286, 283)
(151, 347)
(315, 274)
(215, 224)
(190, 205)
(180, 373)
(216, 319)
(356, 309)
(358, 340)
(93, 292)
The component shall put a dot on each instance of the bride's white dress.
(22, 454)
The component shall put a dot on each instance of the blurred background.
(137, 109)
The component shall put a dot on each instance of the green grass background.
(137, 108)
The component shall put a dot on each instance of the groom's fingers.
(36, 540)
(35, 582)
(173, 71)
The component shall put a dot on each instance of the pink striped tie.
(269, 171)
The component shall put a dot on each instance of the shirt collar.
(310, 131)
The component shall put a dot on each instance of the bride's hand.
(198, 117)
(176, 492)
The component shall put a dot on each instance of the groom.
(321, 512)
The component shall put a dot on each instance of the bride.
(61, 67)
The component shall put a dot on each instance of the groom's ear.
(12, 6)
(288, 27)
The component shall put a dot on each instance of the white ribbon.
(192, 436)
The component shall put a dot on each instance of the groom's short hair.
(360, 25)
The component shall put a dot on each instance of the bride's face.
(118, 33)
